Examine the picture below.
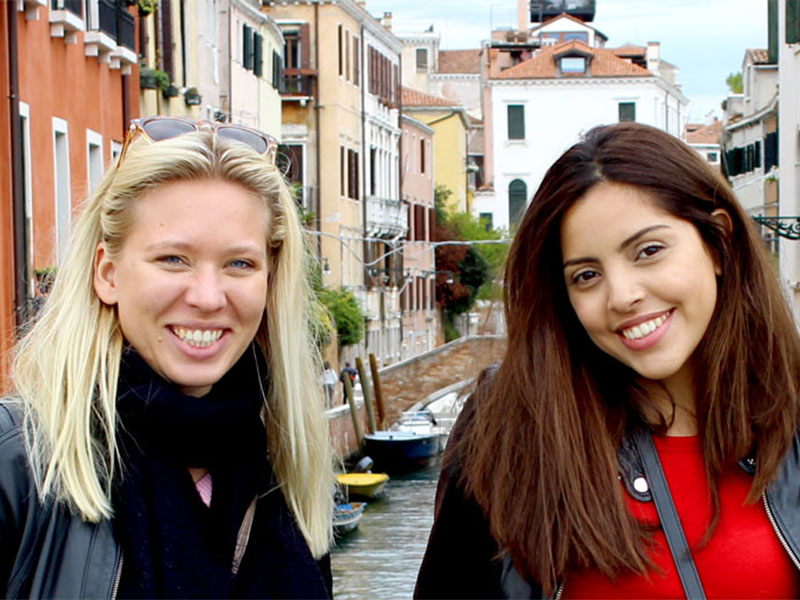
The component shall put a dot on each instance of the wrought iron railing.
(297, 83)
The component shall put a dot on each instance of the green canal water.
(381, 558)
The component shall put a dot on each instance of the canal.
(381, 558)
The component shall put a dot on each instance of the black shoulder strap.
(668, 516)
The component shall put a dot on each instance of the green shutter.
(792, 21)
(772, 31)
(258, 55)
(627, 112)
(247, 47)
(516, 122)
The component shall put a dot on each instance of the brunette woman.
(652, 362)
(167, 440)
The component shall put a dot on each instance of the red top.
(744, 558)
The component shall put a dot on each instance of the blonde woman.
(167, 439)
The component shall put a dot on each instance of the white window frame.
(27, 174)
(62, 195)
(115, 149)
(93, 175)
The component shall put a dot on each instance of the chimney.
(654, 57)
(387, 21)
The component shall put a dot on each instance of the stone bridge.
(410, 381)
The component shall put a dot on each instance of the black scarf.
(173, 545)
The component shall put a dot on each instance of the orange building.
(69, 73)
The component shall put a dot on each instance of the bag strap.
(668, 515)
(243, 536)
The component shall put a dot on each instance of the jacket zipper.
(559, 591)
(782, 539)
(117, 577)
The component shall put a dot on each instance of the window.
(422, 155)
(258, 54)
(757, 154)
(94, 158)
(62, 185)
(341, 43)
(27, 183)
(581, 36)
(352, 174)
(373, 165)
(485, 219)
(573, 64)
(347, 55)
(341, 170)
(422, 59)
(356, 60)
(712, 157)
(292, 50)
(277, 71)
(627, 111)
(116, 150)
(517, 198)
(792, 21)
(247, 46)
(516, 122)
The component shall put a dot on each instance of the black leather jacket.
(45, 550)
(460, 561)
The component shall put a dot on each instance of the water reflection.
(381, 558)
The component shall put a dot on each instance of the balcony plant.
(147, 78)
(147, 6)
(171, 91)
(192, 97)
(162, 79)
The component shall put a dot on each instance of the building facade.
(71, 85)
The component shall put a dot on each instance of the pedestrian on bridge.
(164, 441)
(639, 439)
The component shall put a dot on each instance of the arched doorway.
(517, 198)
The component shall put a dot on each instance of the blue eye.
(171, 259)
(240, 264)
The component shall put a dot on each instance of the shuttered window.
(517, 196)
(627, 112)
(516, 122)
(792, 21)
(247, 47)
(258, 55)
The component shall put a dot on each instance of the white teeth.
(199, 338)
(644, 329)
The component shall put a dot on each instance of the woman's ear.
(723, 218)
(104, 278)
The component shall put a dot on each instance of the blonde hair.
(66, 367)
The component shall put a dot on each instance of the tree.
(333, 309)
(734, 82)
(464, 273)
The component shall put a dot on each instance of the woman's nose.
(624, 291)
(205, 291)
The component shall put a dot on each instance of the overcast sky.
(705, 39)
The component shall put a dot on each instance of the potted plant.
(192, 97)
(170, 91)
(147, 78)
(44, 279)
(147, 6)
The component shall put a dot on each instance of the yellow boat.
(366, 485)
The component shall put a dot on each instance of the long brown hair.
(541, 452)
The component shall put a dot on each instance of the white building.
(541, 105)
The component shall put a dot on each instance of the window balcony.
(298, 84)
(386, 217)
(66, 20)
(111, 36)
(31, 8)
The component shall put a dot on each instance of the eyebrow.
(627, 242)
(186, 246)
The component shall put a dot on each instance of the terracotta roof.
(412, 97)
(604, 63)
(698, 133)
(460, 61)
(760, 56)
(570, 17)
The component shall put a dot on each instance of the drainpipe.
(362, 179)
(319, 133)
(17, 185)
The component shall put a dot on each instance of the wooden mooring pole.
(367, 391)
(351, 400)
(376, 383)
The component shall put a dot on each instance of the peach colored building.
(70, 80)
(421, 322)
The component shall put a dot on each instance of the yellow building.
(451, 126)
(221, 58)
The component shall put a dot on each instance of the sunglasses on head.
(157, 129)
